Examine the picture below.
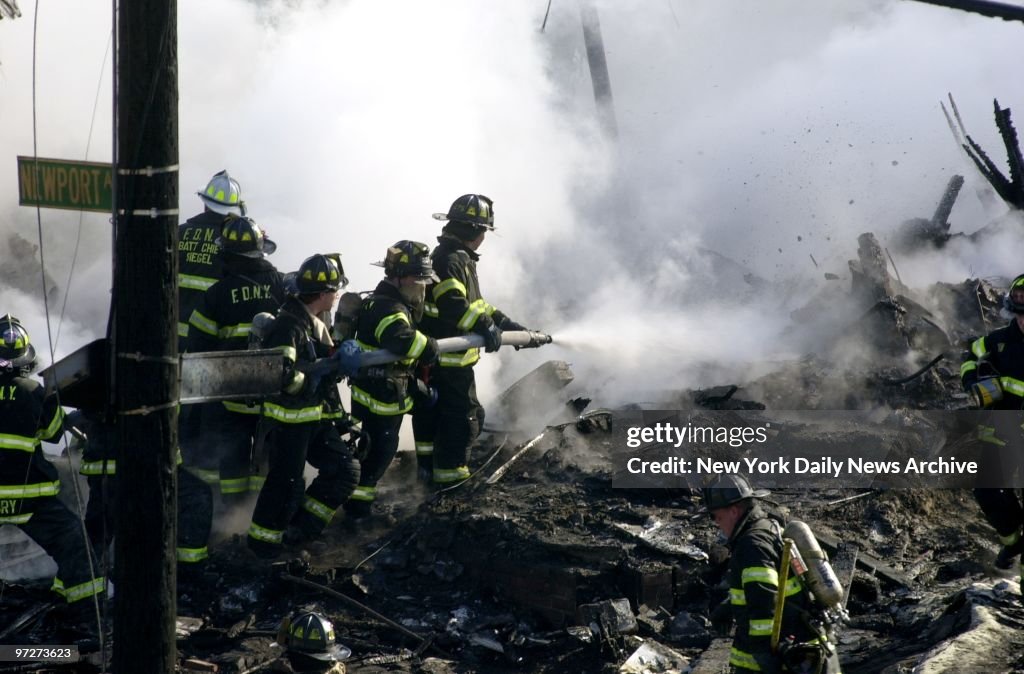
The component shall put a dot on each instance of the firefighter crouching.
(297, 429)
(383, 394)
(755, 541)
(29, 483)
(993, 373)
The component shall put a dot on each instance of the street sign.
(71, 185)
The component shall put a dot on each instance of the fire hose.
(523, 339)
(520, 339)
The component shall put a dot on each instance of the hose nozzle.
(539, 339)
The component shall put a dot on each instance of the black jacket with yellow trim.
(27, 416)
(222, 319)
(199, 265)
(454, 304)
(1003, 349)
(386, 322)
(294, 334)
(756, 546)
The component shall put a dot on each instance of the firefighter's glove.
(424, 396)
(346, 358)
(800, 657)
(347, 425)
(491, 334)
(74, 418)
(430, 355)
(508, 325)
(721, 618)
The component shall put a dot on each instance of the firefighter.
(993, 373)
(29, 483)
(755, 542)
(222, 321)
(297, 431)
(456, 307)
(199, 267)
(382, 394)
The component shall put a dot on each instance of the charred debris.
(536, 564)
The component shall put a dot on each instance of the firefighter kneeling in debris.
(756, 543)
(383, 394)
(993, 373)
(298, 430)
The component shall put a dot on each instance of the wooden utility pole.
(144, 346)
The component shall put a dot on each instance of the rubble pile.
(538, 564)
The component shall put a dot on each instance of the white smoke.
(765, 133)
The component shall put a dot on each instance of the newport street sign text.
(58, 183)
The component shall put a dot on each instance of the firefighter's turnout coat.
(299, 432)
(454, 304)
(222, 321)
(29, 483)
(999, 353)
(756, 546)
(199, 265)
(454, 307)
(382, 394)
(1003, 349)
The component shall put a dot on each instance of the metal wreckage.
(543, 562)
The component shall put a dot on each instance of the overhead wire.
(49, 328)
(81, 214)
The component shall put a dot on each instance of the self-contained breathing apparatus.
(804, 558)
(987, 390)
(346, 317)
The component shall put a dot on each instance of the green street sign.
(72, 185)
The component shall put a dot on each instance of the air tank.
(820, 578)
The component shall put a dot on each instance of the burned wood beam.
(1013, 154)
(870, 276)
(996, 10)
(1011, 189)
(988, 168)
(9, 9)
(940, 219)
(599, 77)
(865, 561)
